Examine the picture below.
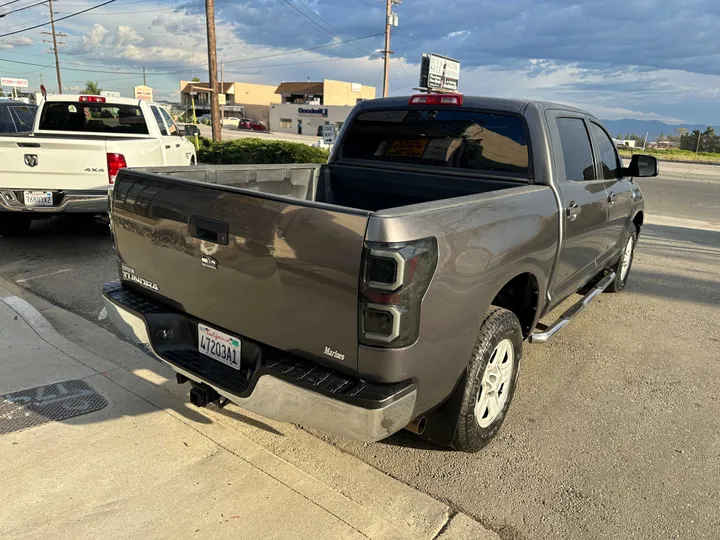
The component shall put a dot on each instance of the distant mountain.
(655, 127)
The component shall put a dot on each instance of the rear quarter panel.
(484, 241)
(138, 152)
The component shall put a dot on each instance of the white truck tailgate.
(48, 163)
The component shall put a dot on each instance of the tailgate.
(53, 164)
(273, 269)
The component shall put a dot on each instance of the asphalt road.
(615, 427)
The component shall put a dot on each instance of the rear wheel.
(14, 224)
(492, 377)
(622, 269)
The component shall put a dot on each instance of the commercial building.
(307, 106)
(291, 107)
(241, 99)
(327, 92)
(306, 119)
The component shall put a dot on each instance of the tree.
(195, 79)
(661, 137)
(92, 88)
(2, 94)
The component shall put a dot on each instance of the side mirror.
(642, 166)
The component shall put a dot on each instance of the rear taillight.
(115, 162)
(436, 99)
(394, 281)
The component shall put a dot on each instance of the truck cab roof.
(517, 106)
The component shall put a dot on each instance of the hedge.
(258, 151)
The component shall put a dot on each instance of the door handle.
(167, 146)
(572, 211)
(611, 198)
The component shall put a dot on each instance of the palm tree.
(92, 88)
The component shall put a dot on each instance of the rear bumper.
(277, 385)
(90, 202)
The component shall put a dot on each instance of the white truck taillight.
(115, 162)
(395, 279)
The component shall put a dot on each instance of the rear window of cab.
(458, 139)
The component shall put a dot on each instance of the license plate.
(219, 346)
(38, 198)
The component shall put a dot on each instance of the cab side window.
(172, 128)
(609, 160)
(576, 150)
(159, 120)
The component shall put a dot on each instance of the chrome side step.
(565, 318)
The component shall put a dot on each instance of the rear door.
(584, 203)
(167, 141)
(280, 271)
(619, 188)
(178, 155)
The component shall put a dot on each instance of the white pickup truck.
(77, 146)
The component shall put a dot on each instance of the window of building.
(576, 149)
(286, 123)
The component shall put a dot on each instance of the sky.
(641, 59)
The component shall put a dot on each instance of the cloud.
(17, 41)
(616, 58)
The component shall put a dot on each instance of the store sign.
(109, 94)
(439, 72)
(143, 92)
(355, 87)
(318, 112)
(17, 83)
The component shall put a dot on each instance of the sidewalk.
(115, 451)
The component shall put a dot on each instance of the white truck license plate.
(38, 198)
(219, 346)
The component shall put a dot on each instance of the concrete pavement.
(144, 464)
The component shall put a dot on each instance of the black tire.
(620, 281)
(499, 325)
(14, 225)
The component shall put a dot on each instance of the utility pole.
(390, 21)
(212, 67)
(222, 90)
(55, 35)
(144, 78)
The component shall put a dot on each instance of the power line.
(286, 2)
(8, 3)
(22, 8)
(60, 19)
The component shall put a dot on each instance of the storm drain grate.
(50, 403)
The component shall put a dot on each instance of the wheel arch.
(522, 296)
(638, 220)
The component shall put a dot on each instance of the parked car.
(230, 121)
(247, 123)
(16, 116)
(394, 286)
(77, 146)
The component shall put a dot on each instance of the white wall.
(336, 114)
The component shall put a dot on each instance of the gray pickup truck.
(394, 286)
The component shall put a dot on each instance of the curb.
(377, 505)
